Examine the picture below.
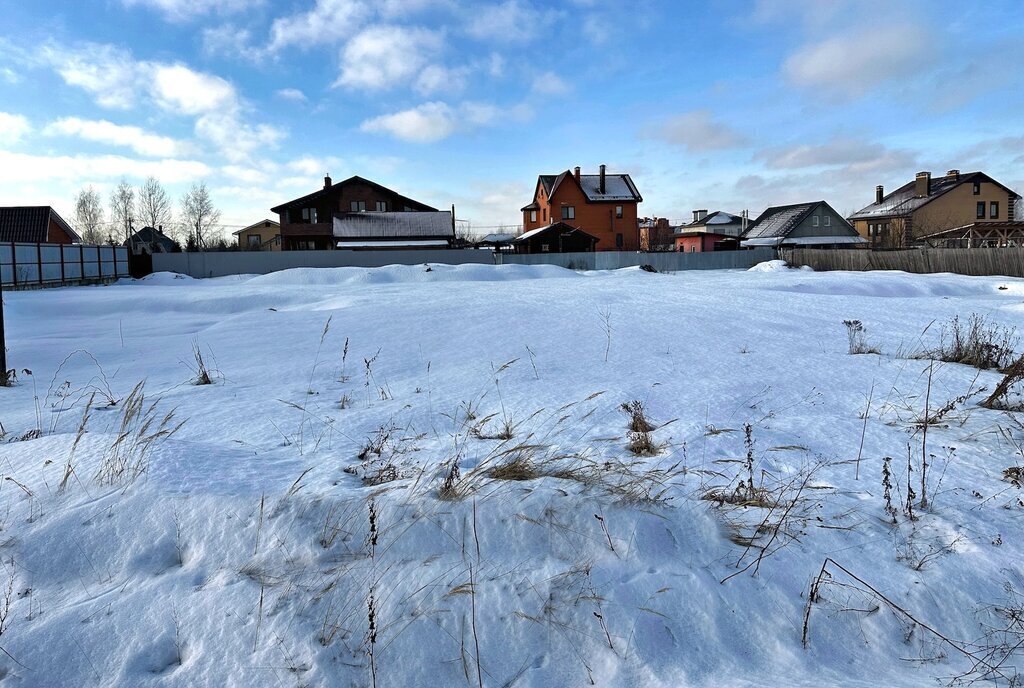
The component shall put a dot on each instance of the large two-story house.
(603, 205)
(358, 213)
(971, 206)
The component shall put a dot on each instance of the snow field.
(306, 481)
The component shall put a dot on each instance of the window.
(544, 214)
(816, 220)
(568, 212)
(545, 248)
(254, 240)
(977, 188)
(993, 210)
(357, 206)
(981, 210)
(618, 240)
(828, 220)
(382, 206)
(618, 212)
(533, 216)
(693, 248)
(871, 230)
(309, 215)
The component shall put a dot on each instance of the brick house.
(926, 208)
(309, 222)
(35, 225)
(602, 205)
(718, 231)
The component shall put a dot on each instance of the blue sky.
(719, 104)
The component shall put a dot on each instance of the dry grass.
(141, 429)
(975, 342)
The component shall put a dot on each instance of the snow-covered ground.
(305, 525)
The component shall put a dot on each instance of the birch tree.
(154, 205)
(89, 215)
(199, 215)
(122, 209)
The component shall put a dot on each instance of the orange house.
(602, 205)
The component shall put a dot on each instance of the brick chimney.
(879, 193)
(576, 173)
(327, 181)
(601, 187)
(954, 175)
(923, 185)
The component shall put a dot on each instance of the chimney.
(601, 187)
(923, 185)
(696, 215)
(701, 214)
(879, 193)
(954, 175)
(576, 173)
(327, 181)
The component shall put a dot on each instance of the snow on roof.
(778, 222)
(533, 232)
(373, 225)
(617, 187)
(498, 238)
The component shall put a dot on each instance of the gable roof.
(555, 227)
(719, 217)
(415, 205)
(254, 225)
(394, 225)
(31, 224)
(617, 187)
(780, 220)
(905, 200)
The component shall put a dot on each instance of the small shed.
(555, 238)
(150, 240)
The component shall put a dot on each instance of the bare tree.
(154, 204)
(199, 215)
(89, 215)
(122, 209)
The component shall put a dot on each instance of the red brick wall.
(55, 234)
(597, 219)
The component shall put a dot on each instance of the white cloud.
(13, 128)
(329, 22)
(235, 139)
(438, 79)
(434, 121)
(178, 88)
(292, 94)
(183, 10)
(231, 41)
(102, 131)
(248, 175)
(550, 83)
(107, 73)
(854, 63)
(312, 166)
(383, 56)
(116, 80)
(838, 151)
(697, 132)
(423, 124)
(20, 168)
(507, 22)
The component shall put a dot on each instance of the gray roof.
(779, 221)
(497, 238)
(31, 224)
(617, 187)
(905, 200)
(719, 217)
(394, 225)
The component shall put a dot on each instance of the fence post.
(14, 264)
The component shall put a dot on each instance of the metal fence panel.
(49, 264)
(52, 272)
(26, 253)
(5, 254)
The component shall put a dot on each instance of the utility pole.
(4, 380)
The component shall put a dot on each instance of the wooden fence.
(1007, 262)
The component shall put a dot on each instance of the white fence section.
(220, 264)
(26, 265)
